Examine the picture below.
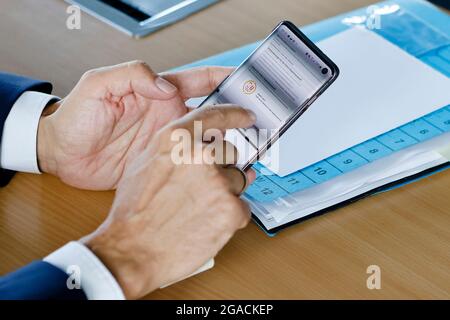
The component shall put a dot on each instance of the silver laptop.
(141, 17)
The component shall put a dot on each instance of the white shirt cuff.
(18, 149)
(96, 280)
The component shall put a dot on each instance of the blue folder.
(417, 27)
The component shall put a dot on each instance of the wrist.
(125, 264)
(46, 140)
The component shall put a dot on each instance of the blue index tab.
(347, 161)
(440, 119)
(396, 140)
(321, 172)
(372, 150)
(264, 189)
(421, 130)
(258, 167)
(411, 34)
(294, 182)
(437, 63)
(445, 53)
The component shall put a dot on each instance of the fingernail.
(165, 85)
(252, 115)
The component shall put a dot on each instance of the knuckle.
(246, 215)
(242, 212)
(210, 75)
(90, 74)
(229, 224)
(231, 204)
(236, 213)
(140, 65)
(220, 181)
(137, 63)
(246, 220)
(212, 174)
(243, 208)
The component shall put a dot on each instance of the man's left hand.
(88, 138)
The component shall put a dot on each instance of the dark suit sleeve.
(38, 281)
(11, 88)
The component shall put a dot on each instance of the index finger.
(198, 82)
(221, 117)
(132, 77)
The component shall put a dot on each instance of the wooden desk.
(406, 232)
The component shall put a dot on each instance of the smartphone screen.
(277, 82)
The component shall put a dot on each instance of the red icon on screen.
(249, 87)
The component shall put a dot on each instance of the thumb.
(134, 77)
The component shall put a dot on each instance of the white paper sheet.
(381, 87)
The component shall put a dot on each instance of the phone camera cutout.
(324, 70)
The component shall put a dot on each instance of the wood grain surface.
(406, 231)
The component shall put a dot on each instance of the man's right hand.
(167, 220)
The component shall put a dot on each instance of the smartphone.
(278, 82)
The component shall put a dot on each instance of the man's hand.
(167, 220)
(88, 138)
